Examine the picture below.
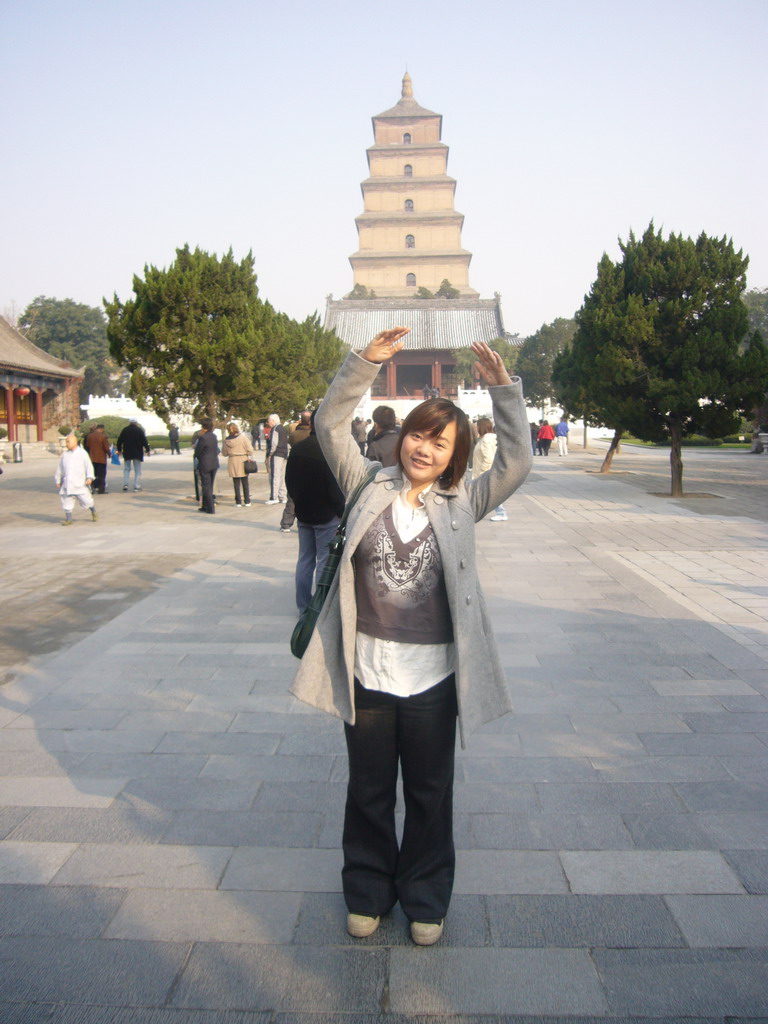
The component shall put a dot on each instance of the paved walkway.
(170, 817)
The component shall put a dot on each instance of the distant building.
(38, 393)
(410, 238)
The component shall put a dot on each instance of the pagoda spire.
(407, 93)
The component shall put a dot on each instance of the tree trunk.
(676, 460)
(612, 447)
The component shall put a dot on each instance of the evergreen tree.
(465, 358)
(536, 358)
(446, 290)
(197, 338)
(73, 331)
(660, 345)
(361, 292)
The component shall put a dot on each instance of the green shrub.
(162, 441)
(65, 430)
(3, 433)
(112, 426)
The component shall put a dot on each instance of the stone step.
(31, 450)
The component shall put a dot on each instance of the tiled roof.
(435, 324)
(18, 353)
(407, 108)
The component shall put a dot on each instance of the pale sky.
(132, 128)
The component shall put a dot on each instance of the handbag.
(302, 632)
(250, 466)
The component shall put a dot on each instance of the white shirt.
(387, 665)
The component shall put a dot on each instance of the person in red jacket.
(546, 436)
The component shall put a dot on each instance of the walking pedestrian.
(534, 437)
(207, 455)
(546, 437)
(98, 447)
(319, 505)
(238, 449)
(482, 460)
(381, 447)
(405, 630)
(132, 444)
(561, 433)
(173, 438)
(73, 478)
(277, 453)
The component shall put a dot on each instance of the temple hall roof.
(18, 353)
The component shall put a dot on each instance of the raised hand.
(385, 345)
(490, 366)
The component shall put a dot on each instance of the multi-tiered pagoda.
(409, 244)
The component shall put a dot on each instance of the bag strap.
(355, 496)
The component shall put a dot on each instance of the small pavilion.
(38, 392)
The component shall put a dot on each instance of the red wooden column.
(11, 413)
(391, 379)
(39, 412)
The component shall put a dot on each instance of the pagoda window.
(408, 171)
(410, 242)
(407, 139)
(409, 206)
(410, 280)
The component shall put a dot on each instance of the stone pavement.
(170, 817)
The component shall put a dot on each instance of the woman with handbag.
(238, 449)
(403, 643)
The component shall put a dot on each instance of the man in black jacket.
(207, 455)
(381, 447)
(319, 505)
(131, 444)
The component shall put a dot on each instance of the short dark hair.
(384, 417)
(206, 423)
(431, 418)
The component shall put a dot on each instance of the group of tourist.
(542, 436)
(81, 472)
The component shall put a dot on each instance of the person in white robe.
(74, 476)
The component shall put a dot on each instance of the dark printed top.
(400, 587)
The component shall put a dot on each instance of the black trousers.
(100, 477)
(420, 733)
(237, 481)
(207, 477)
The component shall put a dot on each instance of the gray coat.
(325, 678)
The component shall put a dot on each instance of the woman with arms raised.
(404, 643)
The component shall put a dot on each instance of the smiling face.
(425, 457)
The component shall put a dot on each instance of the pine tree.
(660, 346)
(197, 338)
